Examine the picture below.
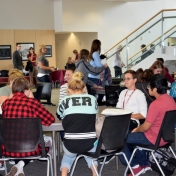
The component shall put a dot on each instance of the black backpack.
(165, 159)
(4, 73)
(29, 66)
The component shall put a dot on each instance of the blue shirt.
(95, 63)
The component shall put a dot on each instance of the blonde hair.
(77, 76)
(13, 74)
(76, 85)
(40, 50)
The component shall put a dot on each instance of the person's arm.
(3, 98)
(142, 106)
(63, 92)
(97, 59)
(93, 70)
(41, 65)
(143, 128)
(46, 117)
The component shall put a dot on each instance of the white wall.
(24, 14)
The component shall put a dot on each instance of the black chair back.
(114, 133)
(167, 128)
(46, 92)
(22, 134)
(112, 95)
(38, 92)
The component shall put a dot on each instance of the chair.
(23, 135)
(46, 93)
(112, 95)
(38, 93)
(113, 137)
(166, 132)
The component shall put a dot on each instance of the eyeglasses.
(127, 79)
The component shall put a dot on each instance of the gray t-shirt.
(45, 63)
(5, 91)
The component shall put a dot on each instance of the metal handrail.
(164, 10)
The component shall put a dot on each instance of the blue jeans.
(140, 155)
(69, 158)
(96, 81)
(45, 78)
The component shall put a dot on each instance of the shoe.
(137, 171)
(108, 159)
(2, 166)
(17, 170)
(147, 168)
(12, 162)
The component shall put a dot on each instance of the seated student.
(14, 108)
(79, 104)
(147, 133)
(5, 92)
(70, 64)
(142, 84)
(132, 99)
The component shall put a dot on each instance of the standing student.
(33, 59)
(76, 55)
(17, 58)
(43, 66)
(117, 62)
(96, 62)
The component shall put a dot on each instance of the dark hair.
(20, 85)
(161, 60)
(18, 44)
(145, 76)
(72, 69)
(30, 49)
(139, 71)
(96, 46)
(143, 46)
(84, 54)
(159, 82)
(132, 72)
(158, 64)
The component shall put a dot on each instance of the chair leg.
(157, 163)
(5, 166)
(47, 167)
(74, 165)
(51, 164)
(102, 165)
(172, 151)
(127, 163)
(94, 167)
(130, 161)
(117, 162)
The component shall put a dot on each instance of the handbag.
(29, 66)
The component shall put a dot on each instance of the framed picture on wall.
(25, 49)
(5, 52)
(48, 51)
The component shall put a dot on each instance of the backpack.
(165, 159)
(29, 66)
(4, 73)
(173, 90)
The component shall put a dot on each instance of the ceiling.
(121, 0)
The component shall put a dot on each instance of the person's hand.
(52, 69)
(134, 130)
(106, 65)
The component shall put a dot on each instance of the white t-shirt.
(117, 61)
(134, 101)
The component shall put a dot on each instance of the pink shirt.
(156, 112)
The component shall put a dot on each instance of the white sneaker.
(12, 162)
(17, 170)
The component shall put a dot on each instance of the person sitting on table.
(147, 133)
(5, 92)
(79, 104)
(21, 106)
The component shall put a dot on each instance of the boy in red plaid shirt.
(21, 106)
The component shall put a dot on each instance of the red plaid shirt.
(20, 106)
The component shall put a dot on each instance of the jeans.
(97, 82)
(140, 156)
(118, 71)
(44, 78)
(69, 158)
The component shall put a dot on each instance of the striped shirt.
(63, 91)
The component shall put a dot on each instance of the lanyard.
(128, 98)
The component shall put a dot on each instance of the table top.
(57, 126)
